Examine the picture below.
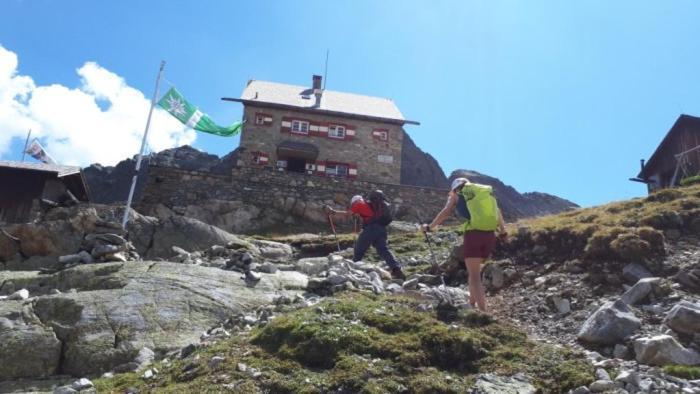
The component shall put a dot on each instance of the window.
(336, 131)
(388, 159)
(381, 134)
(262, 119)
(260, 158)
(337, 169)
(300, 126)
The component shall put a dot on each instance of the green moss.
(683, 371)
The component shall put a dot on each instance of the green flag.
(192, 117)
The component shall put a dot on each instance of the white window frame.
(300, 129)
(332, 170)
(259, 120)
(381, 135)
(337, 131)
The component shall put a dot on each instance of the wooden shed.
(676, 157)
(22, 185)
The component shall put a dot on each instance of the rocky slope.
(609, 298)
(514, 204)
(420, 168)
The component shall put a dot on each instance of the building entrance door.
(296, 164)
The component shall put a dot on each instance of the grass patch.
(683, 371)
(367, 344)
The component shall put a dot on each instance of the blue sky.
(559, 97)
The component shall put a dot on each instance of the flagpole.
(143, 146)
(26, 143)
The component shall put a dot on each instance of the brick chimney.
(317, 82)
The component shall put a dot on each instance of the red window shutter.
(352, 171)
(320, 167)
(286, 125)
(350, 132)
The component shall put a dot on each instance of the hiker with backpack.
(477, 204)
(376, 216)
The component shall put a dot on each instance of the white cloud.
(101, 121)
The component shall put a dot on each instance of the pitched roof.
(60, 170)
(338, 103)
(683, 122)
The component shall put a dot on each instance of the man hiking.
(477, 204)
(375, 215)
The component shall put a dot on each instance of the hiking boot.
(397, 273)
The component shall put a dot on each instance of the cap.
(355, 199)
(458, 182)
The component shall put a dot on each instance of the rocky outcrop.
(515, 205)
(420, 168)
(111, 184)
(610, 324)
(104, 314)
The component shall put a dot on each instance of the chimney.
(642, 164)
(317, 82)
(318, 92)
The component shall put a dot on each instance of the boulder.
(312, 265)
(274, 251)
(684, 318)
(633, 272)
(187, 233)
(121, 308)
(610, 324)
(27, 350)
(689, 278)
(662, 350)
(641, 290)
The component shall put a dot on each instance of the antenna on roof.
(325, 72)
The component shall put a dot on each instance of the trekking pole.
(434, 263)
(335, 236)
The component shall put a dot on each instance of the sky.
(551, 96)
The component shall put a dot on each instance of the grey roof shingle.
(58, 169)
(340, 102)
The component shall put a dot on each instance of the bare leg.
(476, 289)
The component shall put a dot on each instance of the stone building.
(321, 132)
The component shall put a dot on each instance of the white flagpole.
(26, 144)
(143, 146)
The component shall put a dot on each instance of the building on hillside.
(23, 185)
(321, 132)
(677, 157)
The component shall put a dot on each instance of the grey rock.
(620, 351)
(610, 324)
(580, 390)
(312, 265)
(144, 358)
(104, 250)
(602, 374)
(81, 384)
(216, 361)
(123, 307)
(489, 383)
(410, 284)
(19, 295)
(494, 277)
(641, 290)
(629, 377)
(664, 349)
(69, 259)
(600, 386)
(633, 272)
(64, 390)
(268, 268)
(684, 318)
(85, 257)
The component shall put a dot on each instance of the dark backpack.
(462, 209)
(381, 208)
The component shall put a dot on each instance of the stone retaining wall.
(254, 200)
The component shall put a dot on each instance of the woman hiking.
(478, 205)
(375, 217)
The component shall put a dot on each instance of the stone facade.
(253, 200)
(370, 149)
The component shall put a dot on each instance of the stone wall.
(362, 150)
(254, 199)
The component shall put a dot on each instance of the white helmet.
(458, 182)
(355, 199)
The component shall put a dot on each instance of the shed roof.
(684, 122)
(338, 103)
(59, 170)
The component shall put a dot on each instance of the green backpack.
(482, 206)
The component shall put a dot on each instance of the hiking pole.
(335, 236)
(436, 267)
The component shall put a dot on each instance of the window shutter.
(286, 125)
(349, 132)
(320, 167)
(352, 171)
